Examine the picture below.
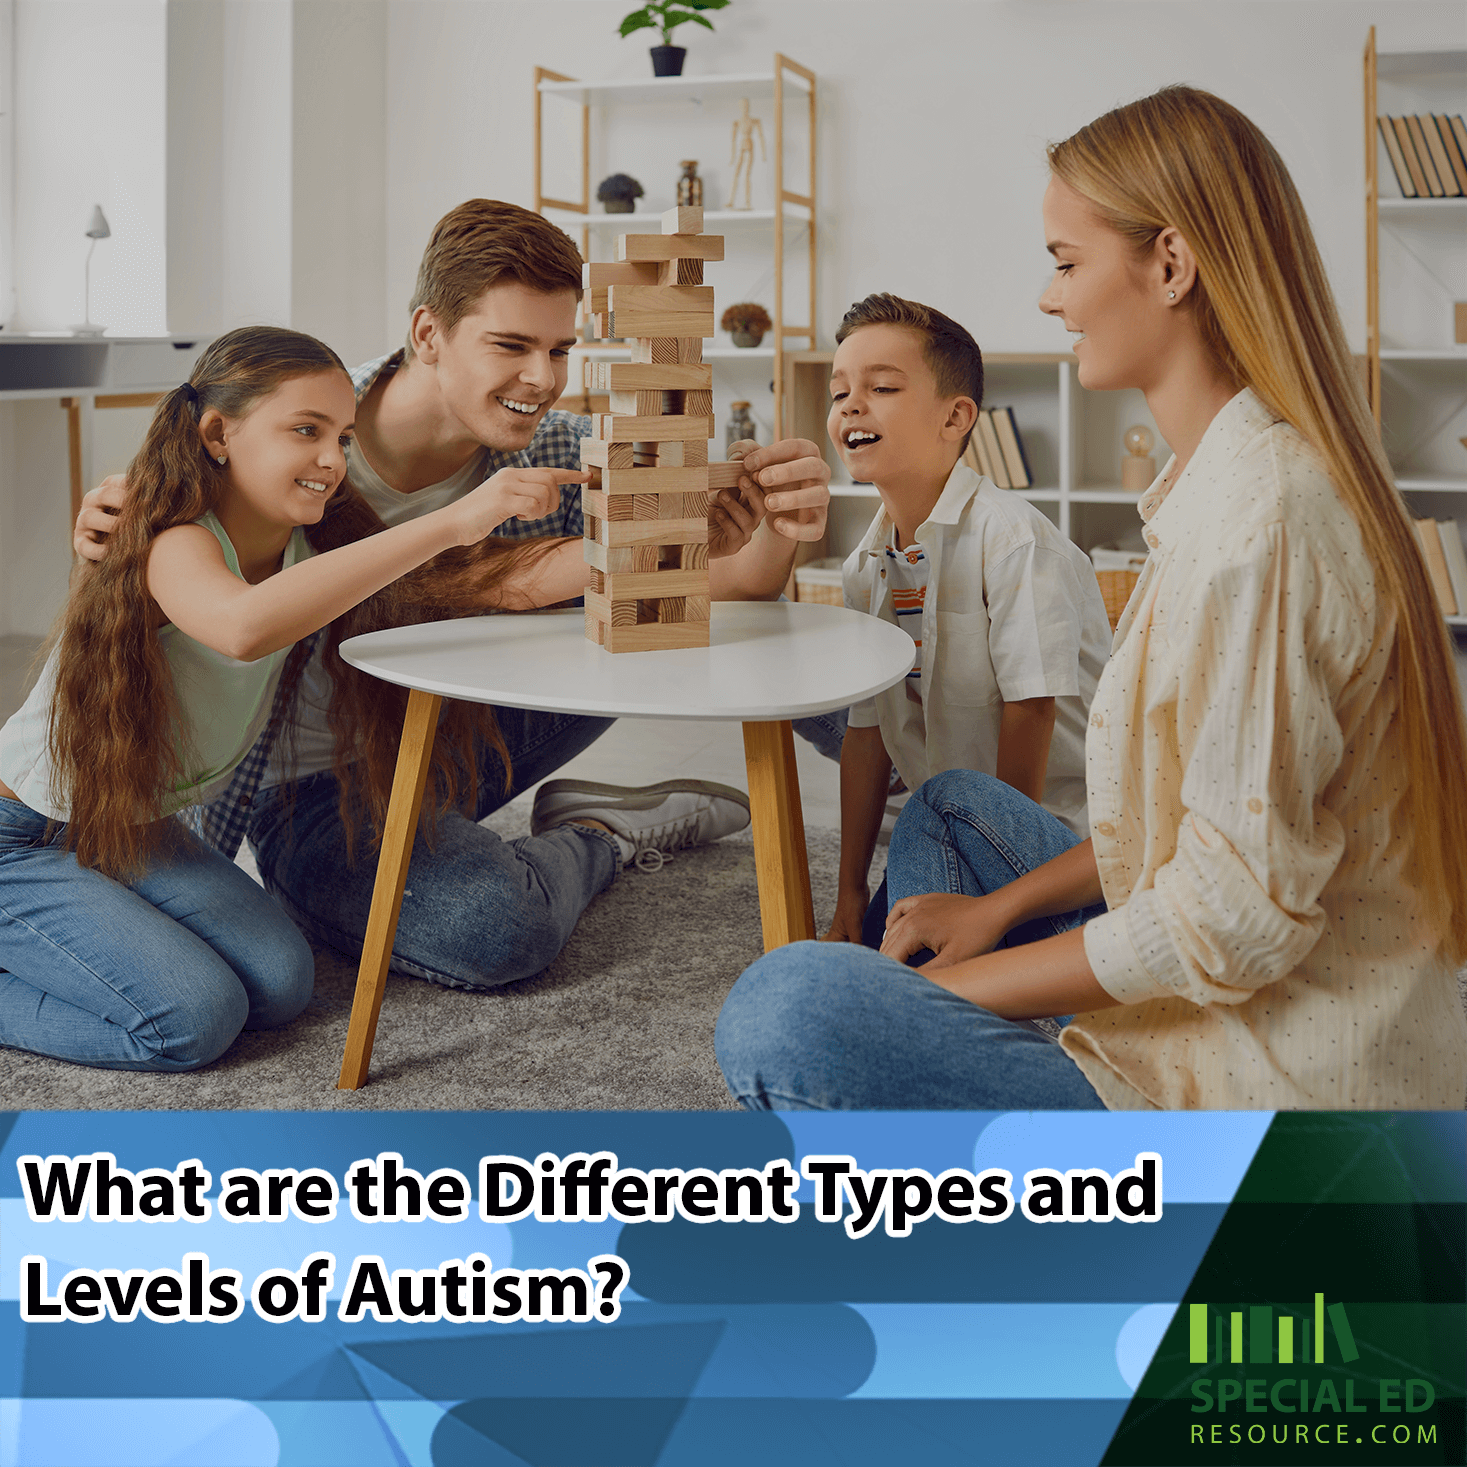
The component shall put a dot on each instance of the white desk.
(767, 662)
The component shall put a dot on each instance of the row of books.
(1428, 153)
(997, 451)
(1441, 547)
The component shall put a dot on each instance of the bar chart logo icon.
(1268, 1344)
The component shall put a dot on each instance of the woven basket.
(1117, 571)
(819, 580)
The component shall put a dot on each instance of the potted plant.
(746, 323)
(619, 193)
(666, 16)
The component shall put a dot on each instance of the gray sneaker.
(649, 823)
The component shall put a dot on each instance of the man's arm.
(1023, 745)
(865, 775)
(794, 482)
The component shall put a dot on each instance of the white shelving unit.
(1416, 267)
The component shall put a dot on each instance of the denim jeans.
(833, 1026)
(477, 911)
(158, 973)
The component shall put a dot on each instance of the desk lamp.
(97, 229)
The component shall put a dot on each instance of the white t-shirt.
(1012, 611)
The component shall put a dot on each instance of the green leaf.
(690, 16)
(705, 4)
(638, 20)
(676, 18)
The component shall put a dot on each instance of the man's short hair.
(483, 242)
(949, 349)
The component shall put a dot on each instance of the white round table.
(767, 662)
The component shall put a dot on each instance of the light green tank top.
(224, 704)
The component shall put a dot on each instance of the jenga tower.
(646, 507)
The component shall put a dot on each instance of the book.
(1459, 133)
(1455, 151)
(1456, 558)
(976, 455)
(1408, 152)
(1398, 160)
(1423, 157)
(1450, 187)
(997, 472)
(1436, 565)
(1015, 460)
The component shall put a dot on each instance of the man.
(493, 321)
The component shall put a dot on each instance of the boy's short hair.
(483, 242)
(949, 349)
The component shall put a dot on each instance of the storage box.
(819, 580)
(1117, 571)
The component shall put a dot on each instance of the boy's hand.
(524, 494)
(95, 519)
(954, 927)
(850, 912)
(794, 481)
(733, 516)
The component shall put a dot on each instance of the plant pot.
(620, 206)
(668, 60)
(747, 338)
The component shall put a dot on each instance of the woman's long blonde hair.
(1187, 160)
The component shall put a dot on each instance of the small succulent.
(619, 186)
(667, 15)
(746, 316)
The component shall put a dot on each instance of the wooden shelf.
(757, 86)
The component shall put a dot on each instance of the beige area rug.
(622, 1020)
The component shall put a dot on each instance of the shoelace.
(674, 835)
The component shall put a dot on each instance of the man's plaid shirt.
(556, 445)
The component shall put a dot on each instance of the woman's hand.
(97, 516)
(953, 927)
(524, 494)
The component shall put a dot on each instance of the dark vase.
(668, 60)
(747, 337)
(619, 206)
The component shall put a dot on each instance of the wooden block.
(643, 404)
(639, 585)
(623, 614)
(695, 554)
(657, 637)
(604, 454)
(595, 627)
(670, 609)
(657, 532)
(663, 300)
(725, 475)
(665, 480)
(597, 583)
(690, 349)
(645, 560)
(696, 453)
(615, 430)
(679, 272)
(696, 608)
(697, 404)
(618, 561)
(644, 456)
(657, 319)
(638, 377)
(694, 506)
(684, 219)
(599, 275)
(608, 506)
(669, 247)
(644, 506)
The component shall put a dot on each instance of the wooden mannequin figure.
(742, 155)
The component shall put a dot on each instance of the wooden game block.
(649, 532)
(611, 429)
(696, 454)
(697, 608)
(647, 404)
(602, 453)
(639, 585)
(644, 506)
(657, 637)
(595, 628)
(663, 480)
(697, 404)
(685, 219)
(695, 555)
(690, 349)
(661, 310)
(597, 583)
(670, 610)
(645, 560)
(620, 561)
(608, 506)
(633, 247)
(655, 350)
(694, 507)
(679, 272)
(725, 475)
(601, 274)
(639, 377)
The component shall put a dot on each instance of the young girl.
(1276, 757)
(125, 942)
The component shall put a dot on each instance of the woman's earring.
(222, 459)
(1171, 295)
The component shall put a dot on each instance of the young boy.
(1010, 628)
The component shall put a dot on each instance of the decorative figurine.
(742, 155)
(1138, 468)
(690, 186)
(746, 322)
(619, 193)
(740, 426)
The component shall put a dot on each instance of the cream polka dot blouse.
(1245, 773)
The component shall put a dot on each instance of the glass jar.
(740, 426)
(690, 186)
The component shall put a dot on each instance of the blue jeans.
(477, 911)
(833, 1026)
(158, 973)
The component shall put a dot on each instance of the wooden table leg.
(413, 755)
(785, 907)
(72, 408)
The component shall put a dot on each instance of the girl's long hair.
(1187, 160)
(117, 743)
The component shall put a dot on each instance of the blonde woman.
(1276, 761)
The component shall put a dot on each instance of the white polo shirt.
(1012, 611)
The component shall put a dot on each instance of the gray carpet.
(622, 1020)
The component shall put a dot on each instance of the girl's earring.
(223, 459)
